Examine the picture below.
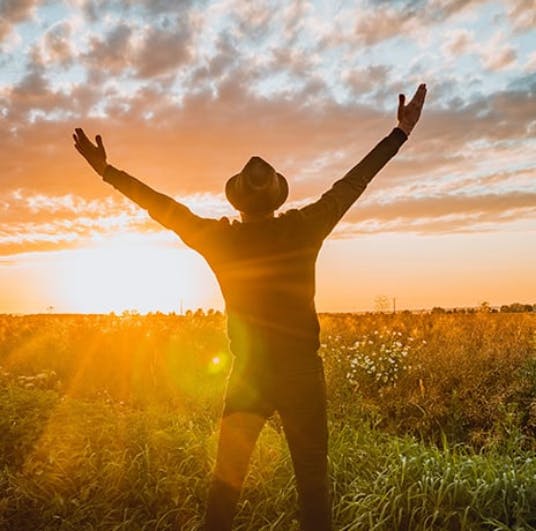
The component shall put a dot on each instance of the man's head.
(258, 189)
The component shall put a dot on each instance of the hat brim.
(256, 202)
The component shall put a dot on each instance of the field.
(110, 422)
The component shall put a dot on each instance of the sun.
(132, 273)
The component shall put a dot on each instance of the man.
(265, 266)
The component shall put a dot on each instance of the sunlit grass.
(111, 423)
(106, 465)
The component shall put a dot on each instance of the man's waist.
(278, 362)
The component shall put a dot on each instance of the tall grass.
(111, 423)
(94, 465)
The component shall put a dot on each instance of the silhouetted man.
(265, 266)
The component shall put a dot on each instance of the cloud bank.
(183, 97)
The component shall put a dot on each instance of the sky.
(183, 93)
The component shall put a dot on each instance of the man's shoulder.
(290, 216)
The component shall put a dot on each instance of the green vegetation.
(111, 423)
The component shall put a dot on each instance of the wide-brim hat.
(257, 189)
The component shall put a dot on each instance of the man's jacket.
(265, 269)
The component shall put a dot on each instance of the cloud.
(500, 59)
(56, 45)
(378, 24)
(458, 42)
(254, 19)
(364, 80)
(33, 99)
(40, 222)
(442, 215)
(218, 65)
(522, 15)
(161, 51)
(13, 12)
(111, 52)
(149, 51)
(446, 205)
(165, 6)
(68, 221)
(496, 54)
(381, 20)
(530, 65)
(36, 222)
(294, 18)
(208, 136)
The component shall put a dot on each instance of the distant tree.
(382, 303)
(516, 307)
(484, 307)
(438, 309)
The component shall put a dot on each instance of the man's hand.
(94, 154)
(408, 115)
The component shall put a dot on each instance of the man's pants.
(253, 395)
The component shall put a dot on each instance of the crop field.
(110, 422)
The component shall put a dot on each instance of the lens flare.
(217, 364)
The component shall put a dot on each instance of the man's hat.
(257, 189)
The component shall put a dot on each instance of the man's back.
(266, 271)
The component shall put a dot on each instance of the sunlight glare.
(132, 273)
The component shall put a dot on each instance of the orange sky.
(184, 96)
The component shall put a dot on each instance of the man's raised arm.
(322, 215)
(161, 208)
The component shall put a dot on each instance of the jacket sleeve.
(162, 208)
(322, 216)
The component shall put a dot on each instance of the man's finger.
(423, 93)
(82, 135)
(420, 93)
(98, 139)
(401, 100)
